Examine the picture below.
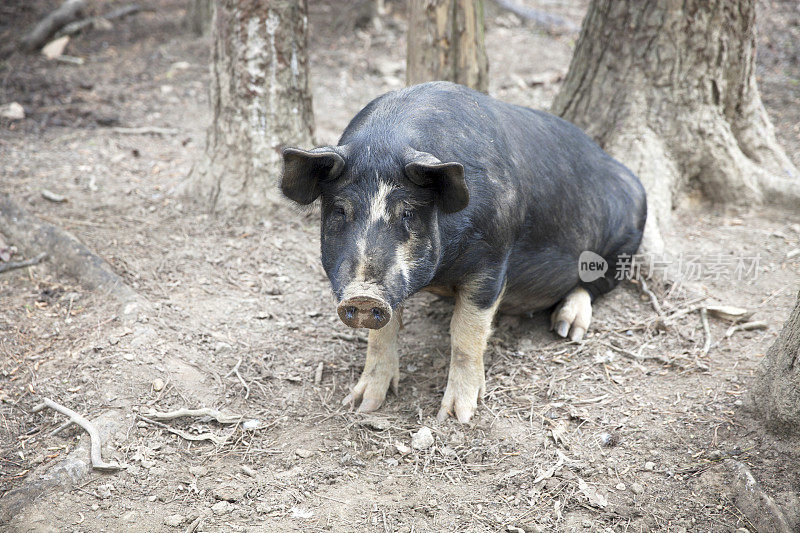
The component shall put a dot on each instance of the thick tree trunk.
(260, 101)
(446, 42)
(669, 88)
(777, 388)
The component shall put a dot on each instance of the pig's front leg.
(470, 328)
(382, 367)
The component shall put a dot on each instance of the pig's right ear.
(303, 170)
(445, 179)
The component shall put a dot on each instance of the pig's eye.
(338, 211)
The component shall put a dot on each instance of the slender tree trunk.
(199, 15)
(669, 88)
(446, 42)
(260, 102)
(777, 388)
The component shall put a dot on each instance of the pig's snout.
(364, 312)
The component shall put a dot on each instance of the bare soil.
(243, 318)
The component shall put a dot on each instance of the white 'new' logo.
(591, 266)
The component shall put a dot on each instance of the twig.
(636, 357)
(144, 130)
(348, 337)
(12, 265)
(747, 326)
(94, 435)
(653, 299)
(235, 370)
(222, 418)
(195, 524)
(707, 343)
(216, 439)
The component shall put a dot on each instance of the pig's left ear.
(303, 170)
(446, 180)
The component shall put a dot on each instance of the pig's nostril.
(377, 313)
(350, 312)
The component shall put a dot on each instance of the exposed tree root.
(68, 255)
(54, 21)
(750, 498)
(94, 435)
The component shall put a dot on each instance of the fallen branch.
(216, 439)
(67, 12)
(94, 435)
(318, 373)
(101, 22)
(220, 417)
(652, 296)
(13, 265)
(145, 130)
(544, 20)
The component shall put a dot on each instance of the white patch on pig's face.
(378, 208)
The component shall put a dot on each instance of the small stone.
(391, 461)
(609, 439)
(401, 448)
(55, 48)
(650, 465)
(586, 523)
(742, 530)
(221, 508)
(637, 488)
(12, 111)
(738, 403)
(129, 517)
(302, 452)
(104, 491)
(173, 520)
(620, 486)
(95, 507)
(158, 384)
(229, 493)
(198, 471)
(714, 455)
(422, 439)
(151, 499)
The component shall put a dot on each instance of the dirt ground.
(570, 437)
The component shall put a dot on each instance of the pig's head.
(380, 216)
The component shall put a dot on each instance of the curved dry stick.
(220, 417)
(94, 435)
(12, 265)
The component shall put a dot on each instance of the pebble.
(158, 384)
(221, 508)
(650, 465)
(230, 493)
(173, 520)
(586, 523)
(129, 517)
(422, 439)
(714, 455)
(104, 491)
(401, 448)
(12, 111)
(198, 471)
(302, 452)
(620, 486)
(637, 488)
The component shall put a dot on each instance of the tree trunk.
(199, 15)
(445, 42)
(260, 101)
(777, 388)
(668, 87)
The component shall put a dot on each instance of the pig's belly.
(537, 281)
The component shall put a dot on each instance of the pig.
(440, 188)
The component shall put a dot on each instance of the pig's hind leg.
(382, 367)
(573, 314)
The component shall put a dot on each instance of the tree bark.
(776, 392)
(260, 101)
(668, 87)
(446, 42)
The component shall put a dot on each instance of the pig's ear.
(303, 170)
(445, 179)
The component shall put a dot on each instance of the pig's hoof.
(573, 314)
(460, 399)
(370, 391)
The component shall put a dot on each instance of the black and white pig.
(441, 188)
